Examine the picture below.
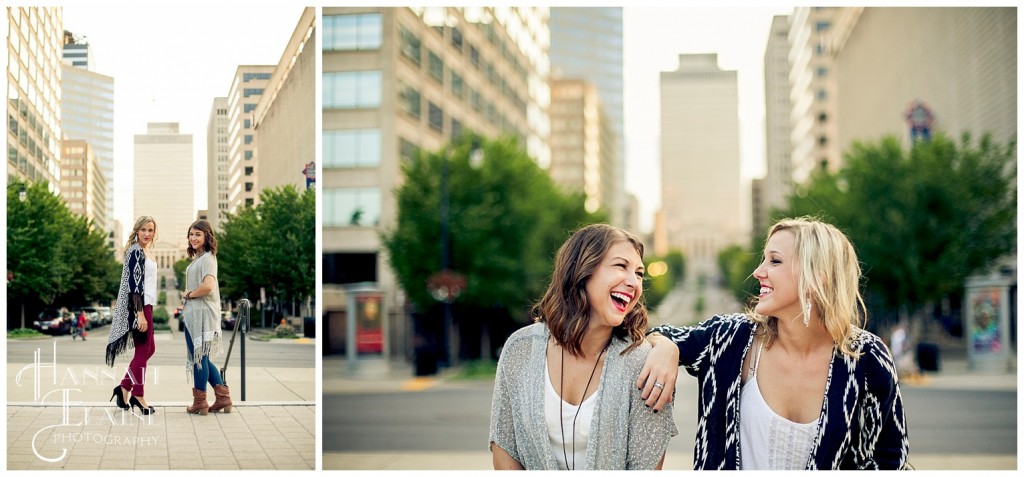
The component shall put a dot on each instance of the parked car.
(227, 320)
(106, 316)
(55, 321)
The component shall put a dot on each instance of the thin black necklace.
(561, 421)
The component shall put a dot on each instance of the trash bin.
(309, 327)
(927, 357)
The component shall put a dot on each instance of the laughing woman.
(202, 320)
(563, 394)
(796, 383)
(133, 315)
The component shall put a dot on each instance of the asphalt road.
(457, 418)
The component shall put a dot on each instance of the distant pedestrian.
(133, 315)
(794, 383)
(82, 321)
(201, 314)
(563, 394)
(903, 354)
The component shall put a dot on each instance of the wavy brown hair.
(211, 241)
(564, 306)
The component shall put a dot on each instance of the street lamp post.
(22, 196)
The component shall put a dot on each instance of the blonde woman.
(133, 315)
(796, 383)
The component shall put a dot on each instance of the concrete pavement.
(59, 418)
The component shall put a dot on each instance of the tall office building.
(400, 79)
(778, 177)
(285, 117)
(82, 185)
(700, 159)
(217, 161)
(244, 95)
(813, 143)
(34, 39)
(87, 105)
(587, 43)
(583, 145)
(163, 187)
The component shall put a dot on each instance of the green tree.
(922, 220)
(179, 271)
(271, 245)
(736, 264)
(506, 221)
(54, 257)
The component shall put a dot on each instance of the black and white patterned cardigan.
(129, 302)
(861, 425)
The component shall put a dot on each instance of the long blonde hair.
(139, 223)
(830, 278)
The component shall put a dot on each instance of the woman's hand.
(658, 377)
(140, 322)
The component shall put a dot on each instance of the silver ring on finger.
(659, 385)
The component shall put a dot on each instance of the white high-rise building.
(246, 89)
(583, 149)
(217, 163)
(778, 177)
(700, 159)
(82, 185)
(87, 104)
(163, 186)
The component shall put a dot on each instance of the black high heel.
(120, 398)
(145, 411)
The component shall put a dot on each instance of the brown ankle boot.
(223, 398)
(199, 404)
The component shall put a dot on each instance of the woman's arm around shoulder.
(650, 430)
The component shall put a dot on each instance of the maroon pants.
(135, 378)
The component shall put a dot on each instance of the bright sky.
(168, 63)
(654, 37)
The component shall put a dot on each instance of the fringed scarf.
(125, 311)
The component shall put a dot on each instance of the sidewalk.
(71, 425)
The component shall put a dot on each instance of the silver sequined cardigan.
(861, 424)
(624, 434)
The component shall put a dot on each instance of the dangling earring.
(807, 313)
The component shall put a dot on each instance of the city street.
(453, 417)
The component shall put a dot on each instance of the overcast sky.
(168, 63)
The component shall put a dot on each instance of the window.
(248, 138)
(822, 95)
(410, 44)
(352, 148)
(352, 32)
(822, 117)
(409, 98)
(821, 26)
(247, 77)
(435, 116)
(249, 201)
(457, 85)
(822, 140)
(352, 89)
(351, 207)
(248, 186)
(248, 171)
(435, 66)
(252, 92)
(248, 108)
(406, 149)
(474, 56)
(248, 155)
(247, 123)
(475, 100)
(821, 71)
(457, 39)
(456, 129)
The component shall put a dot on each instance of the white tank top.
(149, 283)
(769, 441)
(582, 434)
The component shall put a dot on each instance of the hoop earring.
(807, 313)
